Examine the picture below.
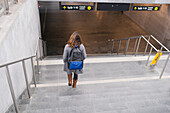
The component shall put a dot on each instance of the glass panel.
(1, 4)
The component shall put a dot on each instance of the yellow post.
(156, 58)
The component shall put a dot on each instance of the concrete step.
(104, 87)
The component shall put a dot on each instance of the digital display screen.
(113, 6)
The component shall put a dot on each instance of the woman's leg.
(69, 79)
(75, 80)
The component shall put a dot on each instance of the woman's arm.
(65, 55)
(84, 52)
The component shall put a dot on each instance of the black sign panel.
(113, 6)
(76, 7)
(146, 8)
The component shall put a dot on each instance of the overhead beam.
(118, 1)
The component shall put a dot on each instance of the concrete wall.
(156, 23)
(19, 34)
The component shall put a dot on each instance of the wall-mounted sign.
(146, 8)
(113, 6)
(76, 7)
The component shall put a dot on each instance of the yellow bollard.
(156, 58)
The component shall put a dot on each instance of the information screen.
(113, 6)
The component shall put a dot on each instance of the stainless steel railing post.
(11, 89)
(33, 71)
(43, 53)
(165, 66)
(135, 46)
(6, 6)
(127, 45)
(26, 78)
(112, 46)
(40, 49)
(138, 46)
(149, 56)
(146, 46)
(119, 47)
(37, 63)
(45, 47)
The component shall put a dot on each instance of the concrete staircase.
(108, 85)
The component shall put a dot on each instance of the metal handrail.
(125, 38)
(25, 74)
(136, 47)
(26, 78)
(6, 6)
(159, 43)
(136, 37)
(149, 43)
(15, 62)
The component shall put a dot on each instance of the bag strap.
(81, 53)
(71, 52)
(80, 49)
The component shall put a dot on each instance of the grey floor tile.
(153, 109)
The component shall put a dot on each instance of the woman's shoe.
(74, 83)
(70, 80)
